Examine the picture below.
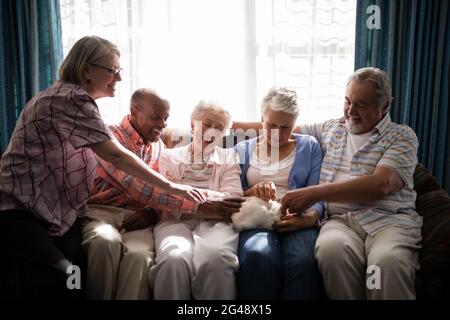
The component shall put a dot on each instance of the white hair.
(281, 99)
(203, 107)
(377, 77)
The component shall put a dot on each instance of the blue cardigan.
(305, 170)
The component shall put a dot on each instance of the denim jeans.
(276, 266)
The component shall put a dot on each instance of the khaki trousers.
(195, 258)
(118, 262)
(356, 266)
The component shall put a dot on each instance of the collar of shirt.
(380, 129)
(131, 132)
(383, 125)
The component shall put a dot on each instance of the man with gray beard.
(368, 247)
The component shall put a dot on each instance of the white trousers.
(355, 265)
(118, 262)
(194, 258)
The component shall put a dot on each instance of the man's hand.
(141, 219)
(218, 209)
(298, 200)
(265, 190)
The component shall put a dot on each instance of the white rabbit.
(256, 213)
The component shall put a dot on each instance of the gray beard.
(353, 128)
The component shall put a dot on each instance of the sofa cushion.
(433, 204)
(423, 181)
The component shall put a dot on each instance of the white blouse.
(277, 172)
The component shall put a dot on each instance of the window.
(231, 51)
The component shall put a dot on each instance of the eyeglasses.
(113, 71)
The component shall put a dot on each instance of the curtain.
(413, 47)
(30, 53)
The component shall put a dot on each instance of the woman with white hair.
(272, 164)
(196, 255)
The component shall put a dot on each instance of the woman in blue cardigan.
(280, 263)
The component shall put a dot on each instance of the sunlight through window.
(231, 51)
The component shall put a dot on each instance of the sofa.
(432, 203)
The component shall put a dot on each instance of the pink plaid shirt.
(116, 188)
(47, 167)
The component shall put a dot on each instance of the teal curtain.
(413, 47)
(30, 53)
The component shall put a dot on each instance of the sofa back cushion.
(433, 204)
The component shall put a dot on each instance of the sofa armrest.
(433, 204)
